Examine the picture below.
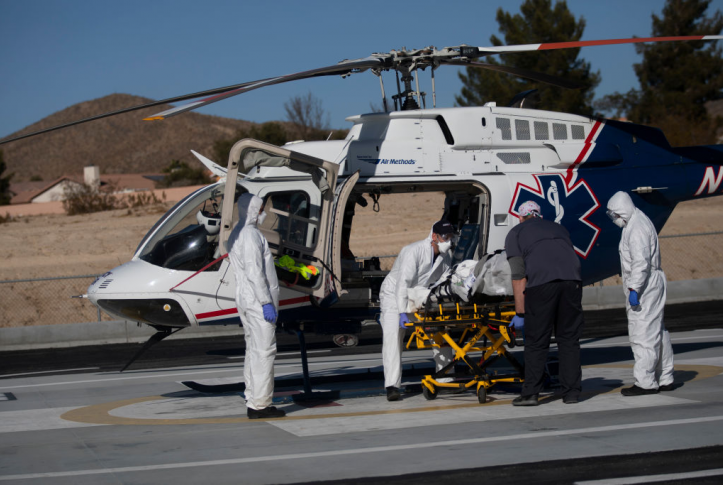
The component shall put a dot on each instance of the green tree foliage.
(676, 78)
(539, 21)
(180, 174)
(5, 194)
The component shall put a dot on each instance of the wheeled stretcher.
(484, 328)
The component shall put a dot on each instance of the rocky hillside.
(120, 144)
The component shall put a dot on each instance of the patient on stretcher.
(469, 281)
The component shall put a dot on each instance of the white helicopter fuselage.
(486, 159)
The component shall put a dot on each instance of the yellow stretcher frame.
(432, 329)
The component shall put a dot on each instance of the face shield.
(617, 220)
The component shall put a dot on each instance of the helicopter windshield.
(186, 238)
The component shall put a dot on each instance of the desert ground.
(58, 245)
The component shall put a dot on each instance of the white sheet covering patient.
(490, 276)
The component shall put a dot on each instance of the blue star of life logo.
(569, 206)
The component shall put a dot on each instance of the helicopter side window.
(289, 215)
(503, 124)
(522, 128)
(542, 130)
(559, 131)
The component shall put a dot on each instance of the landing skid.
(155, 338)
(307, 395)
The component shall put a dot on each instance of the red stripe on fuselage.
(232, 311)
(292, 301)
(217, 313)
(583, 152)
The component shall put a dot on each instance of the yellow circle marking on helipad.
(101, 413)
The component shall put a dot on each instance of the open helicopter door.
(297, 236)
(342, 196)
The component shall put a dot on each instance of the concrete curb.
(122, 332)
(96, 333)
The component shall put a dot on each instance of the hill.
(120, 144)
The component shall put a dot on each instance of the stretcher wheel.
(429, 395)
(482, 394)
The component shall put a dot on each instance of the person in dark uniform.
(548, 296)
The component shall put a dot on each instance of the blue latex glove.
(633, 298)
(403, 319)
(518, 322)
(270, 313)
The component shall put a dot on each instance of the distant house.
(37, 192)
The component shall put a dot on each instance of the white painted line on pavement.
(358, 451)
(49, 371)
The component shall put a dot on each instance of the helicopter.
(486, 160)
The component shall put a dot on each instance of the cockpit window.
(188, 238)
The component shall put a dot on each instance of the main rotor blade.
(344, 67)
(175, 99)
(503, 49)
(520, 72)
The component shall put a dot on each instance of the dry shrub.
(144, 199)
(84, 199)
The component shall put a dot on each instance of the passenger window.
(505, 127)
(541, 131)
(522, 128)
(288, 214)
(559, 131)
(578, 132)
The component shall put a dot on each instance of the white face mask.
(620, 222)
(262, 218)
(444, 246)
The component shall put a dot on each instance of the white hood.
(622, 205)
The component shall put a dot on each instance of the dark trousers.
(553, 306)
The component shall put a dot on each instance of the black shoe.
(570, 399)
(393, 393)
(526, 401)
(637, 391)
(667, 387)
(265, 413)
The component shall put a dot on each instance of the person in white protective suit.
(645, 289)
(257, 300)
(418, 264)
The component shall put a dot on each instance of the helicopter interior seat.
(467, 243)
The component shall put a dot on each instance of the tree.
(676, 78)
(538, 22)
(308, 115)
(5, 194)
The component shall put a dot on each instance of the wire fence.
(46, 301)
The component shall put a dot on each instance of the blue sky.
(55, 53)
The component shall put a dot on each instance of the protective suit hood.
(249, 206)
(622, 205)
